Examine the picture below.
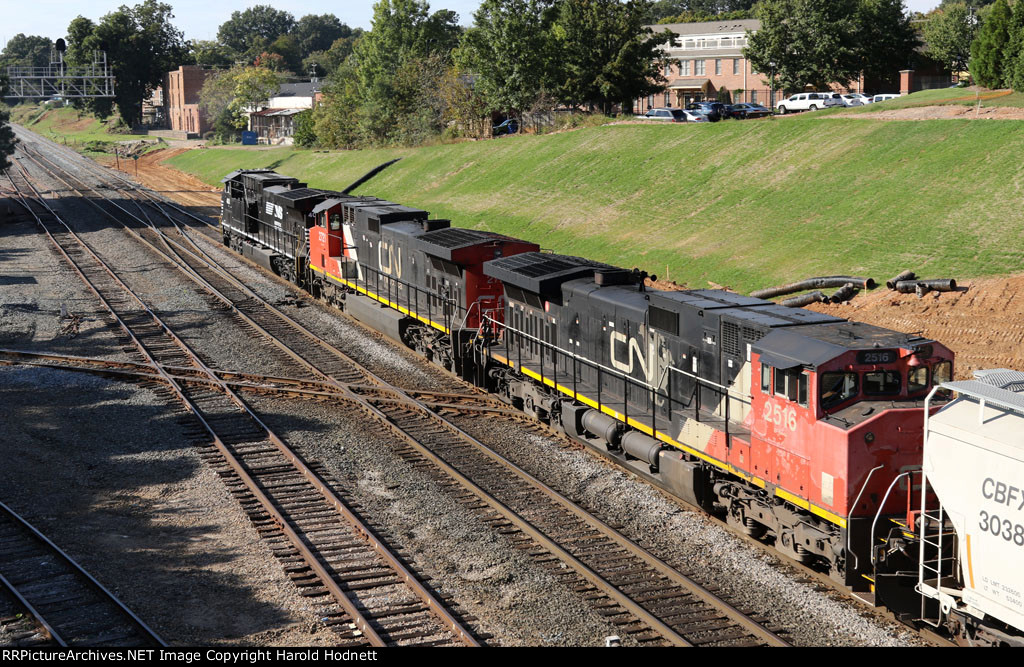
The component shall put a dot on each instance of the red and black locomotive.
(790, 423)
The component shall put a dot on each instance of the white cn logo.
(387, 260)
(633, 352)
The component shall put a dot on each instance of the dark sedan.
(745, 110)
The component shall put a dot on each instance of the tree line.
(417, 73)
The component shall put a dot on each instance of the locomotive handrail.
(885, 499)
(618, 373)
(849, 516)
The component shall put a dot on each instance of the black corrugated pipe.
(814, 283)
(922, 287)
(939, 285)
(805, 300)
(906, 275)
(844, 293)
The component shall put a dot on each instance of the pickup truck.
(808, 102)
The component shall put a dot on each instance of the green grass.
(744, 204)
(939, 97)
(69, 126)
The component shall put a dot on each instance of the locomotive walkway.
(649, 600)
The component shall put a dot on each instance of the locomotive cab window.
(837, 388)
(335, 222)
(790, 384)
(942, 372)
(917, 379)
(882, 383)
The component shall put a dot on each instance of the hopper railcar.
(791, 424)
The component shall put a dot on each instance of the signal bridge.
(60, 79)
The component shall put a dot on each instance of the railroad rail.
(651, 601)
(324, 546)
(74, 609)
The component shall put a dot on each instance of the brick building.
(181, 100)
(708, 57)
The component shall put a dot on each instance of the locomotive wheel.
(787, 544)
(738, 520)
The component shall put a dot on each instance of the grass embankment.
(940, 97)
(745, 204)
(69, 126)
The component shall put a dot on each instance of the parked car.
(808, 102)
(695, 116)
(745, 110)
(715, 111)
(509, 126)
(883, 98)
(855, 99)
(667, 114)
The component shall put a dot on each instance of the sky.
(199, 19)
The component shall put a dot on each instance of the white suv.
(809, 102)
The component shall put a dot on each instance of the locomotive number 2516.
(781, 417)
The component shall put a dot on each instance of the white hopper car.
(970, 531)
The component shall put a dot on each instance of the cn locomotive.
(790, 424)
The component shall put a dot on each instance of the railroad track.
(74, 609)
(325, 548)
(652, 602)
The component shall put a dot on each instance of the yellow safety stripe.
(785, 495)
(970, 561)
(383, 300)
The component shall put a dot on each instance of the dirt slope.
(983, 325)
(183, 188)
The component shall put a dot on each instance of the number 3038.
(781, 417)
(1006, 529)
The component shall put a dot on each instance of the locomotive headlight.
(869, 437)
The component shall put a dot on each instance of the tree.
(887, 39)
(402, 32)
(988, 49)
(1013, 55)
(336, 119)
(287, 46)
(604, 53)
(948, 34)
(330, 60)
(305, 129)
(248, 32)
(318, 32)
(806, 43)
(141, 44)
(229, 96)
(509, 49)
(210, 53)
(7, 139)
(27, 51)
(79, 52)
(253, 86)
(707, 9)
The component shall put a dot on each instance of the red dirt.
(182, 188)
(983, 324)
